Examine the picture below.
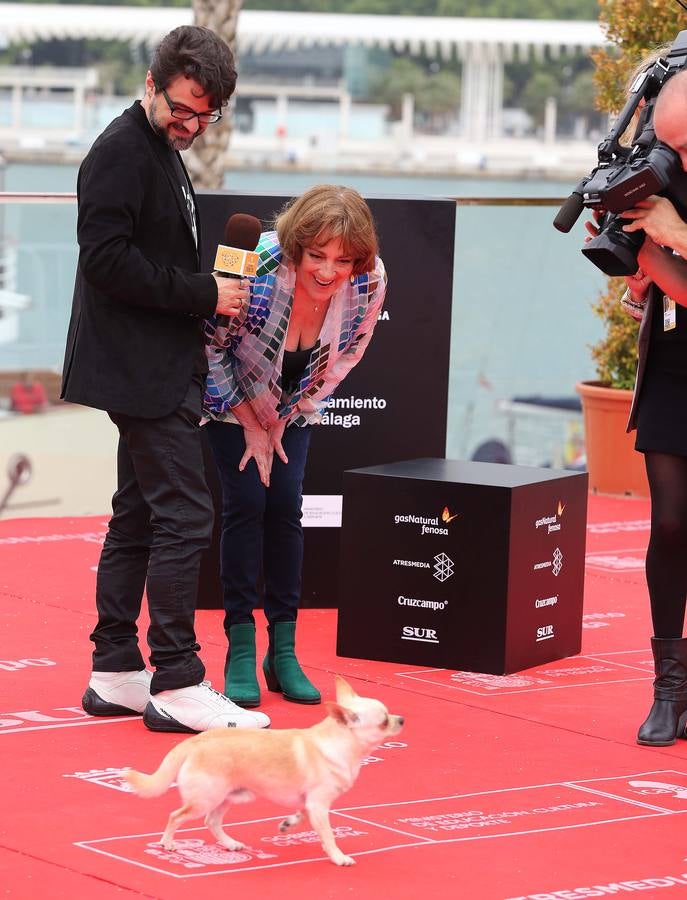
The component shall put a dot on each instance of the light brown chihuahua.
(305, 768)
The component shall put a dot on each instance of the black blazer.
(135, 335)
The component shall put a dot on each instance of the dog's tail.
(156, 784)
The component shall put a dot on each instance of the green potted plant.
(633, 28)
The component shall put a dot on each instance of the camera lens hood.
(613, 255)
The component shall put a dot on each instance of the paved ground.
(72, 453)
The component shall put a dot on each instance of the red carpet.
(523, 786)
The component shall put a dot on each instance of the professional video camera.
(626, 175)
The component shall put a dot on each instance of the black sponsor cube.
(462, 565)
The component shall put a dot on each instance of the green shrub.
(615, 354)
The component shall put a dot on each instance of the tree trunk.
(206, 160)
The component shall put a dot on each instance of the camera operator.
(659, 413)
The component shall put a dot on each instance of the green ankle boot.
(281, 668)
(240, 681)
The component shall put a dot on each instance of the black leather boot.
(668, 715)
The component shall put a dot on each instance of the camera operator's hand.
(593, 227)
(665, 269)
(659, 219)
(639, 284)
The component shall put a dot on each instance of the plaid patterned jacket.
(245, 356)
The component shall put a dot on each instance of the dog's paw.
(342, 860)
(290, 821)
(167, 845)
(230, 844)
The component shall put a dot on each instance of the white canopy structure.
(483, 45)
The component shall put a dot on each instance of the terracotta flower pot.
(614, 466)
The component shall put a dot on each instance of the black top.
(292, 368)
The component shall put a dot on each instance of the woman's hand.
(258, 448)
(276, 434)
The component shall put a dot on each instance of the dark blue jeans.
(261, 527)
(161, 522)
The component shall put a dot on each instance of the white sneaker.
(117, 693)
(198, 708)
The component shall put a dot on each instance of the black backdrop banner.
(393, 405)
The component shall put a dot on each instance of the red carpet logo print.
(504, 813)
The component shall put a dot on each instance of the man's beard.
(173, 141)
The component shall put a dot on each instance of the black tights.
(666, 556)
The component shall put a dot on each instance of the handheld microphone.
(236, 257)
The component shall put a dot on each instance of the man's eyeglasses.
(181, 112)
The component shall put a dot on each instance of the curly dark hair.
(200, 54)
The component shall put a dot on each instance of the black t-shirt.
(200, 365)
(293, 366)
(188, 196)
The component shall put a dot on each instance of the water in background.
(522, 318)
(55, 118)
(55, 115)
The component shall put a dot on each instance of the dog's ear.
(342, 715)
(344, 691)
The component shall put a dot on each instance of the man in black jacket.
(135, 349)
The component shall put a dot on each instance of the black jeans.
(261, 527)
(161, 522)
